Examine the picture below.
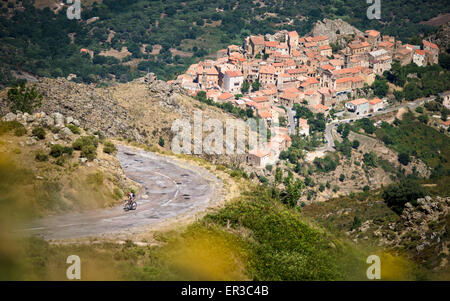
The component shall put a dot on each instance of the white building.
(232, 81)
(359, 106)
(376, 104)
(303, 127)
(419, 57)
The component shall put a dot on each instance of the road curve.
(171, 189)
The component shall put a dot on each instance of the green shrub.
(76, 130)
(370, 159)
(109, 148)
(60, 161)
(6, 126)
(68, 150)
(404, 158)
(85, 140)
(356, 223)
(87, 145)
(39, 132)
(397, 195)
(89, 152)
(56, 150)
(161, 142)
(41, 156)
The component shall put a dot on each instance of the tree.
(24, 99)
(370, 159)
(161, 141)
(245, 87)
(397, 195)
(356, 223)
(398, 95)
(404, 158)
(444, 114)
(380, 87)
(293, 192)
(355, 144)
(255, 86)
(423, 118)
(278, 175)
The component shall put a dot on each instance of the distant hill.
(167, 36)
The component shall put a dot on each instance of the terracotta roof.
(259, 99)
(321, 107)
(271, 43)
(420, 52)
(293, 34)
(265, 114)
(257, 40)
(289, 96)
(346, 70)
(233, 73)
(375, 101)
(373, 33)
(319, 38)
(267, 69)
(225, 96)
(303, 122)
(328, 67)
(358, 101)
(429, 44)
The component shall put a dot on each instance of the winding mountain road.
(171, 189)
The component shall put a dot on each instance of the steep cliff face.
(335, 30)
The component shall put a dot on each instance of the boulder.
(30, 141)
(9, 117)
(65, 133)
(58, 118)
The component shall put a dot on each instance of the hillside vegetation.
(167, 36)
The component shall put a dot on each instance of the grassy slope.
(424, 142)
(254, 237)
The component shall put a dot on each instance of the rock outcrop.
(335, 30)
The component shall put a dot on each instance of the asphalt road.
(169, 191)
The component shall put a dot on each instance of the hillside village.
(270, 74)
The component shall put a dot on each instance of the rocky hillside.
(336, 30)
(442, 37)
(49, 165)
(141, 111)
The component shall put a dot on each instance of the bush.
(39, 132)
(370, 159)
(24, 99)
(356, 223)
(41, 156)
(87, 145)
(20, 131)
(89, 152)
(6, 126)
(68, 150)
(109, 148)
(404, 158)
(397, 195)
(56, 150)
(60, 161)
(161, 142)
(74, 129)
(342, 177)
